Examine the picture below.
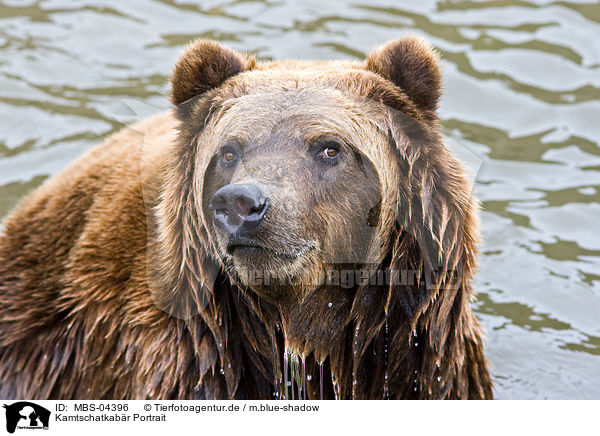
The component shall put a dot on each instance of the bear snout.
(238, 208)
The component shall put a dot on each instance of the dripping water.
(293, 377)
(415, 380)
(298, 377)
(285, 373)
(354, 362)
(386, 390)
(304, 377)
(336, 389)
(321, 379)
(276, 371)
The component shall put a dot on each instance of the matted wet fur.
(114, 282)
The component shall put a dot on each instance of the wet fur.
(112, 286)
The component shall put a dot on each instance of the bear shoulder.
(96, 202)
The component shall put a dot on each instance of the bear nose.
(238, 207)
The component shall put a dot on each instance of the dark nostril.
(258, 212)
(236, 206)
(245, 204)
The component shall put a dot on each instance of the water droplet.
(336, 389)
(386, 388)
(415, 389)
(416, 344)
(296, 376)
(197, 388)
(303, 377)
(293, 374)
(288, 383)
(321, 379)
(330, 304)
(277, 376)
(286, 368)
(439, 378)
(416, 371)
(229, 365)
(222, 371)
(309, 377)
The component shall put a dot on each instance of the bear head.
(289, 175)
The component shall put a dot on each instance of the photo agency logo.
(26, 416)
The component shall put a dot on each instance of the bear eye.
(228, 156)
(330, 152)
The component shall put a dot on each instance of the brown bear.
(291, 229)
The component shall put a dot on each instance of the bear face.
(302, 170)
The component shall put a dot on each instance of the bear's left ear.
(205, 65)
(411, 64)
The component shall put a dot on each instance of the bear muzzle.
(238, 208)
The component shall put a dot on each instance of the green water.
(522, 91)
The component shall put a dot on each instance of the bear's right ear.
(205, 65)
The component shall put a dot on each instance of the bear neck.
(337, 343)
(349, 352)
